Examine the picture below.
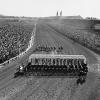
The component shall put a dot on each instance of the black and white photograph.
(49, 50)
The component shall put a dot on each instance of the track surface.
(43, 88)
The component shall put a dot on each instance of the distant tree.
(91, 18)
(61, 13)
(57, 13)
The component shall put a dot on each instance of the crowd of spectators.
(88, 39)
(14, 38)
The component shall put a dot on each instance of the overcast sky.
(41, 8)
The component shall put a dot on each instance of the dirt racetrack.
(48, 88)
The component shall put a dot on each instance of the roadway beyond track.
(43, 88)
